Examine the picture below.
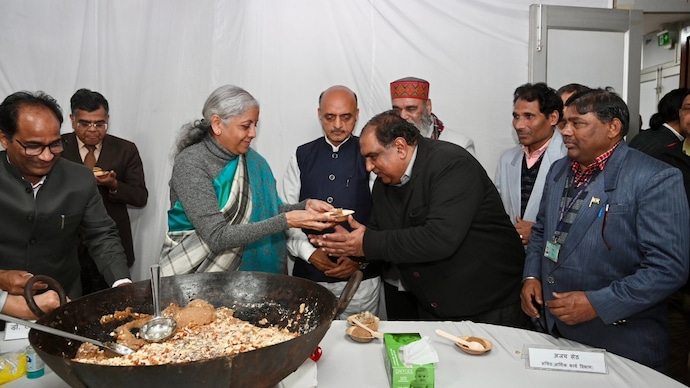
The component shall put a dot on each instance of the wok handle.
(52, 285)
(349, 291)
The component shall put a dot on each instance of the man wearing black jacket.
(438, 218)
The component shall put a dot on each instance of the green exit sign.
(663, 39)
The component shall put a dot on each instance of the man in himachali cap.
(410, 97)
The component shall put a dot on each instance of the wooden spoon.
(374, 333)
(474, 346)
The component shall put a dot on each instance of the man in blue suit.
(610, 243)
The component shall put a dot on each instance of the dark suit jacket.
(647, 228)
(122, 157)
(653, 141)
(41, 235)
(448, 234)
(673, 154)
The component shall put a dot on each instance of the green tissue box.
(400, 375)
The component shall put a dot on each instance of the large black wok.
(253, 295)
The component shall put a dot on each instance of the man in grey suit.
(610, 243)
(119, 175)
(522, 170)
(49, 203)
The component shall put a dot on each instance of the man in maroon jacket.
(117, 167)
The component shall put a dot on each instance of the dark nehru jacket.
(41, 234)
(339, 178)
(447, 232)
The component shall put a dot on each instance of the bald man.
(331, 168)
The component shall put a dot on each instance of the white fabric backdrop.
(157, 61)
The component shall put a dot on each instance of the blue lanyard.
(565, 209)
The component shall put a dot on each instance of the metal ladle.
(159, 328)
(116, 348)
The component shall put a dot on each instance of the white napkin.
(418, 353)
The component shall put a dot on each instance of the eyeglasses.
(86, 125)
(37, 149)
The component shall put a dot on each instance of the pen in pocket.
(604, 209)
(62, 221)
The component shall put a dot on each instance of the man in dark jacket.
(678, 155)
(664, 125)
(118, 170)
(48, 203)
(438, 218)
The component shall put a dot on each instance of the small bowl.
(98, 172)
(358, 334)
(370, 320)
(340, 214)
(484, 342)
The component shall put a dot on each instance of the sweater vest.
(339, 178)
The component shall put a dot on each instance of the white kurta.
(457, 138)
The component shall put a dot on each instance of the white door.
(654, 84)
(596, 47)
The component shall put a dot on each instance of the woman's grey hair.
(227, 101)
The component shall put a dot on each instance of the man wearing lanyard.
(610, 241)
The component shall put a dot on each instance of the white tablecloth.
(346, 363)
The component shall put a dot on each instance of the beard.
(425, 123)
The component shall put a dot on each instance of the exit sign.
(663, 39)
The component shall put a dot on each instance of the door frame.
(684, 57)
(546, 17)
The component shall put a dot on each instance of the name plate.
(15, 331)
(571, 360)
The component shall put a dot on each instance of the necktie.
(90, 158)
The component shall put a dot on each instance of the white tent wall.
(157, 61)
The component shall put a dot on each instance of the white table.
(346, 363)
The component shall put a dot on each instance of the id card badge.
(551, 250)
